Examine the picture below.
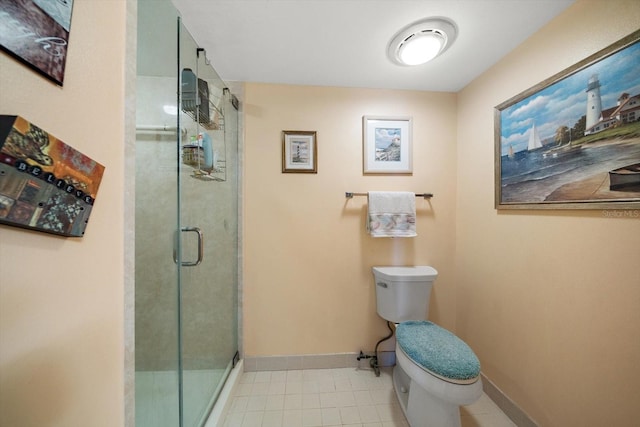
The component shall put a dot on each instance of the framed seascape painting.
(386, 145)
(573, 141)
(36, 33)
(299, 152)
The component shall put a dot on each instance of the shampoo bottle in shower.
(207, 148)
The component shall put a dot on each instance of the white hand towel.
(391, 214)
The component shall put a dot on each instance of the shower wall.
(156, 313)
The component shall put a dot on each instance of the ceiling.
(344, 42)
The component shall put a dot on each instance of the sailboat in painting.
(534, 139)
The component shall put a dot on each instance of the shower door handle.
(200, 248)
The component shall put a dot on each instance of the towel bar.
(350, 195)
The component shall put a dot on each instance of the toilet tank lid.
(407, 274)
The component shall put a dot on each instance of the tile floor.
(333, 397)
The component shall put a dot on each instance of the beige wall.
(550, 301)
(308, 286)
(561, 340)
(61, 299)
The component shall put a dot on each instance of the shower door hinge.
(234, 99)
(235, 360)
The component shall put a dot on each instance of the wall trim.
(508, 406)
(314, 361)
(129, 229)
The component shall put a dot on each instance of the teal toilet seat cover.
(437, 350)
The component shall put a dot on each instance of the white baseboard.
(315, 361)
(508, 406)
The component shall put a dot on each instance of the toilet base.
(421, 408)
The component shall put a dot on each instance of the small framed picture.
(299, 151)
(387, 145)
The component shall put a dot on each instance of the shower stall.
(186, 225)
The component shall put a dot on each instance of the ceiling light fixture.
(422, 41)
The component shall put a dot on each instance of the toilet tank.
(402, 293)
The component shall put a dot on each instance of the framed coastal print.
(386, 145)
(573, 141)
(36, 33)
(299, 152)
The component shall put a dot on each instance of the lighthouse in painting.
(594, 103)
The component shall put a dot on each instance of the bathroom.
(507, 280)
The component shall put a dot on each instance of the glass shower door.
(186, 224)
(209, 239)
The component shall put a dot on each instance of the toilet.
(435, 371)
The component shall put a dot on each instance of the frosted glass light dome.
(422, 41)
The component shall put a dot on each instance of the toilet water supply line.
(374, 359)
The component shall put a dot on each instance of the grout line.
(332, 396)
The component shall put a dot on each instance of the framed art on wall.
(299, 152)
(386, 145)
(573, 140)
(45, 184)
(36, 33)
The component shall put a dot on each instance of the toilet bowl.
(435, 371)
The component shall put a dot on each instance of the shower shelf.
(199, 102)
(205, 105)
(205, 120)
(194, 156)
(217, 174)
